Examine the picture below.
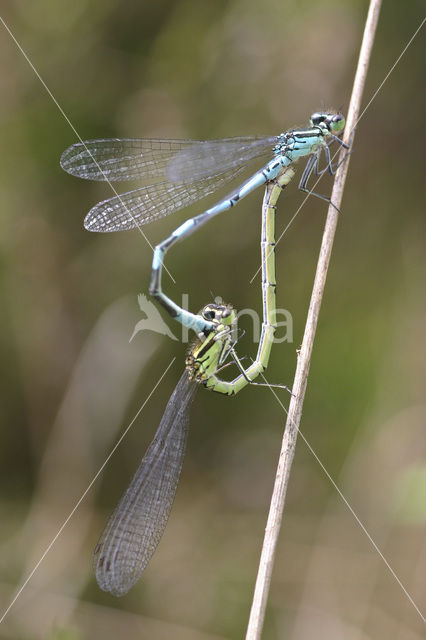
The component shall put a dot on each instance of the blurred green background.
(71, 382)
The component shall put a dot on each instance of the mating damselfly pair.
(181, 172)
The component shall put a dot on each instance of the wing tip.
(66, 157)
(108, 578)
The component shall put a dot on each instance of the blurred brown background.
(71, 382)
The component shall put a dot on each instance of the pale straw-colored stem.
(260, 598)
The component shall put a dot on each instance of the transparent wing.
(138, 521)
(213, 157)
(138, 207)
(147, 159)
(123, 159)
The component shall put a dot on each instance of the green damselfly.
(137, 523)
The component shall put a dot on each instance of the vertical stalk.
(260, 598)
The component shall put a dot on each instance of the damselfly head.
(208, 353)
(334, 122)
(219, 313)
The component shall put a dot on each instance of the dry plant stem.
(257, 613)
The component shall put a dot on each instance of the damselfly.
(180, 172)
(137, 523)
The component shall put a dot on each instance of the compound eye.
(209, 313)
(337, 123)
(317, 118)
